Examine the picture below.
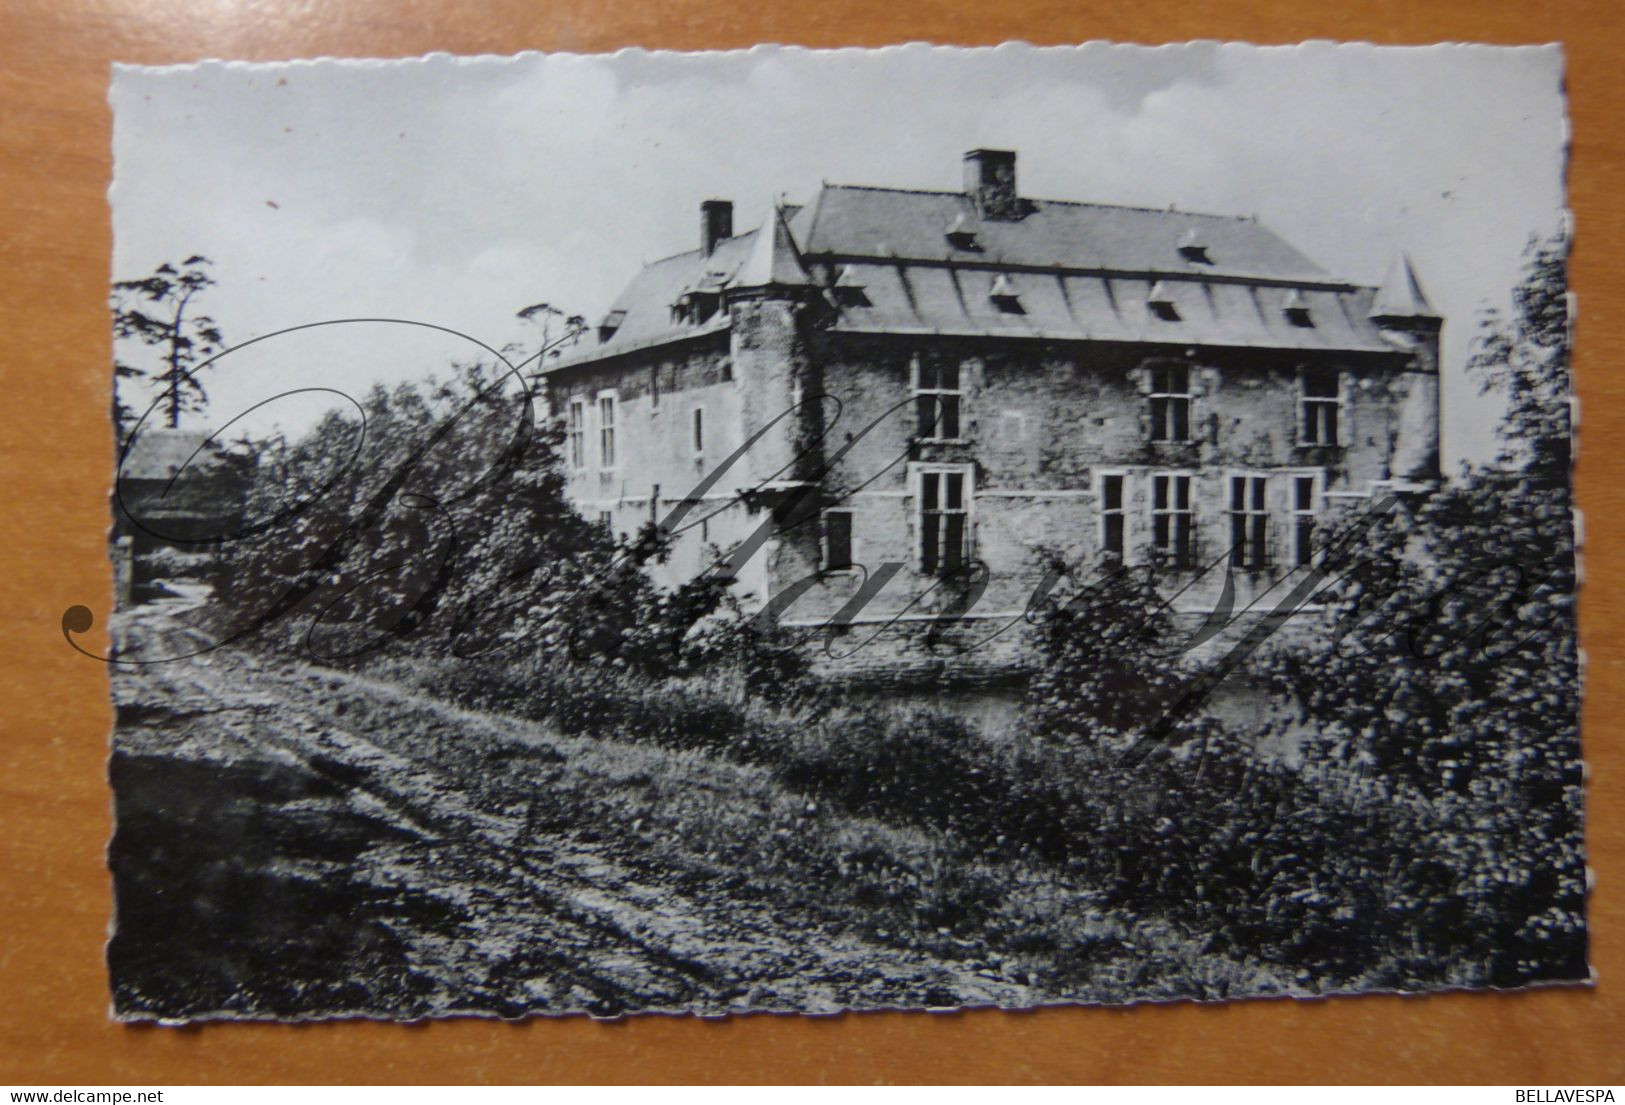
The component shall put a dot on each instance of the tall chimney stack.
(716, 223)
(990, 180)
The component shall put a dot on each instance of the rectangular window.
(1249, 521)
(576, 433)
(1303, 519)
(937, 398)
(1170, 403)
(944, 513)
(1320, 407)
(698, 435)
(1173, 523)
(654, 389)
(606, 521)
(1113, 514)
(606, 429)
(837, 540)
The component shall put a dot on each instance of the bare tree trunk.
(175, 363)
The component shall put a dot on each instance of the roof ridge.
(1042, 200)
(887, 188)
(697, 250)
(817, 209)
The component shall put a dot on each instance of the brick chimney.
(716, 223)
(990, 180)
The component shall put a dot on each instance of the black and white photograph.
(809, 531)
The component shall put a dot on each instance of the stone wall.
(657, 467)
(1037, 431)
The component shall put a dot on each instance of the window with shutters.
(1320, 407)
(1173, 521)
(1249, 522)
(937, 400)
(944, 518)
(576, 433)
(1170, 403)
(1303, 519)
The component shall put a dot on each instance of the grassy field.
(299, 841)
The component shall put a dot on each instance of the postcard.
(806, 531)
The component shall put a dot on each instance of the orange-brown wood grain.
(55, 458)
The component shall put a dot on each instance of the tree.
(546, 316)
(449, 514)
(159, 311)
(1107, 643)
(1451, 667)
(1526, 358)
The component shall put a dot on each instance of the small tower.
(1408, 322)
(767, 300)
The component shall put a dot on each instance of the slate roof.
(917, 299)
(646, 302)
(158, 454)
(1079, 271)
(1401, 294)
(870, 222)
(774, 257)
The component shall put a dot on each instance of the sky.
(456, 191)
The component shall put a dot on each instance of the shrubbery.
(440, 527)
(1452, 672)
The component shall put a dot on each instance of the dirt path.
(299, 841)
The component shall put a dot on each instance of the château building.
(935, 384)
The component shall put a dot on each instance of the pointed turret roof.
(774, 258)
(1401, 294)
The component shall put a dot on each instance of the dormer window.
(849, 289)
(612, 322)
(962, 235)
(1161, 304)
(1004, 296)
(1193, 249)
(695, 306)
(1296, 310)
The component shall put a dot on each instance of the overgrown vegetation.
(438, 525)
(1452, 679)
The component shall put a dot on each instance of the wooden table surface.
(55, 460)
